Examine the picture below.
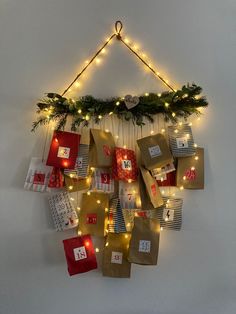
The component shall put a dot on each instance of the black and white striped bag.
(116, 219)
(102, 180)
(81, 165)
(181, 140)
(63, 213)
(170, 215)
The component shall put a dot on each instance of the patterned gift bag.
(81, 166)
(154, 151)
(170, 215)
(144, 242)
(63, 150)
(129, 195)
(38, 175)
(63, 213)
(181, 140)
(115, 218)
(190, 171)
(101, 148)
(115, 256)
(124, 165)
(56, 180)
(80, 255)
(102, 180)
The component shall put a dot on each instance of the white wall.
(42, 45)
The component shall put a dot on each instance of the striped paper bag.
(115, 219)
(81, 166)
(170, 215)
(38, 175)
(63, 213)
(102, 180)
(129, 195)
(181, 141)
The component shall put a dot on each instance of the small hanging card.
(80, 255)
(56, 180)
(154, 151)
(101, 148)
(115, 218)
(181, 140)
(81, 166)
(190, 171)
(129, 195)
(170, 215)
(93, 214)
(144, 243)
(102, 180)
(63, 213)
(115, 262)
(38, 175)
(149, 190)
(124, 165)
(63, 150)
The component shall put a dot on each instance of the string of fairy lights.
(142, 57)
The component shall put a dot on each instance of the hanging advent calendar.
(113, 174)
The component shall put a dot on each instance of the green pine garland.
(172, 105)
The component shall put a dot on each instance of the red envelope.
(168, 180)
(124, 165)
(56, 179)
(80, 255)
(63, 150)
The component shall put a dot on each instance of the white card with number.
(182, 142)
(80, 253)
(144, 246)
(63, 152)
(155, 151)
(116, 257)
(168, 214)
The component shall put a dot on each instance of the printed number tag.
(63, 152)
(80, 253)
(154, 189)
(142, 214)
(155, 151)
(126, 164)
(190, 174)
(116, 257)
(39, 178)
(106, 150)
(144, 246)
(105, 178)
(182, 142)
(80, 162)
(168, 214)
(91, 219)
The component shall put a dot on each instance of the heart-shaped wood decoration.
(131, 101)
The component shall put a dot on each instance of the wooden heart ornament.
(131, 101)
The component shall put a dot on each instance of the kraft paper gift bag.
(63, 150)
(161, 172)
(149, 190)
(124, 165)
(115, 256)
(129, 195)
(181, 140)
(80, 255)
(77, 184)
(130, 214)
(154, 151)
(93, 215)
(38, 175)
(56, 180)
(81, 166)
(170, 215)
(102, 180)
(190, 171)
(144, 243)
(101, 149)
(115, 218)
(63, 212)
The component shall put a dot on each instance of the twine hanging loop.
(118, 28)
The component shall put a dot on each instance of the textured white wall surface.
(42, 46)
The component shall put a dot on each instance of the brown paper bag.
(77, 184)
(154, 151)
(190, 171)
(150, 193)
(93, 215)
(115, 256)
(101, 149)
(144, 243)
